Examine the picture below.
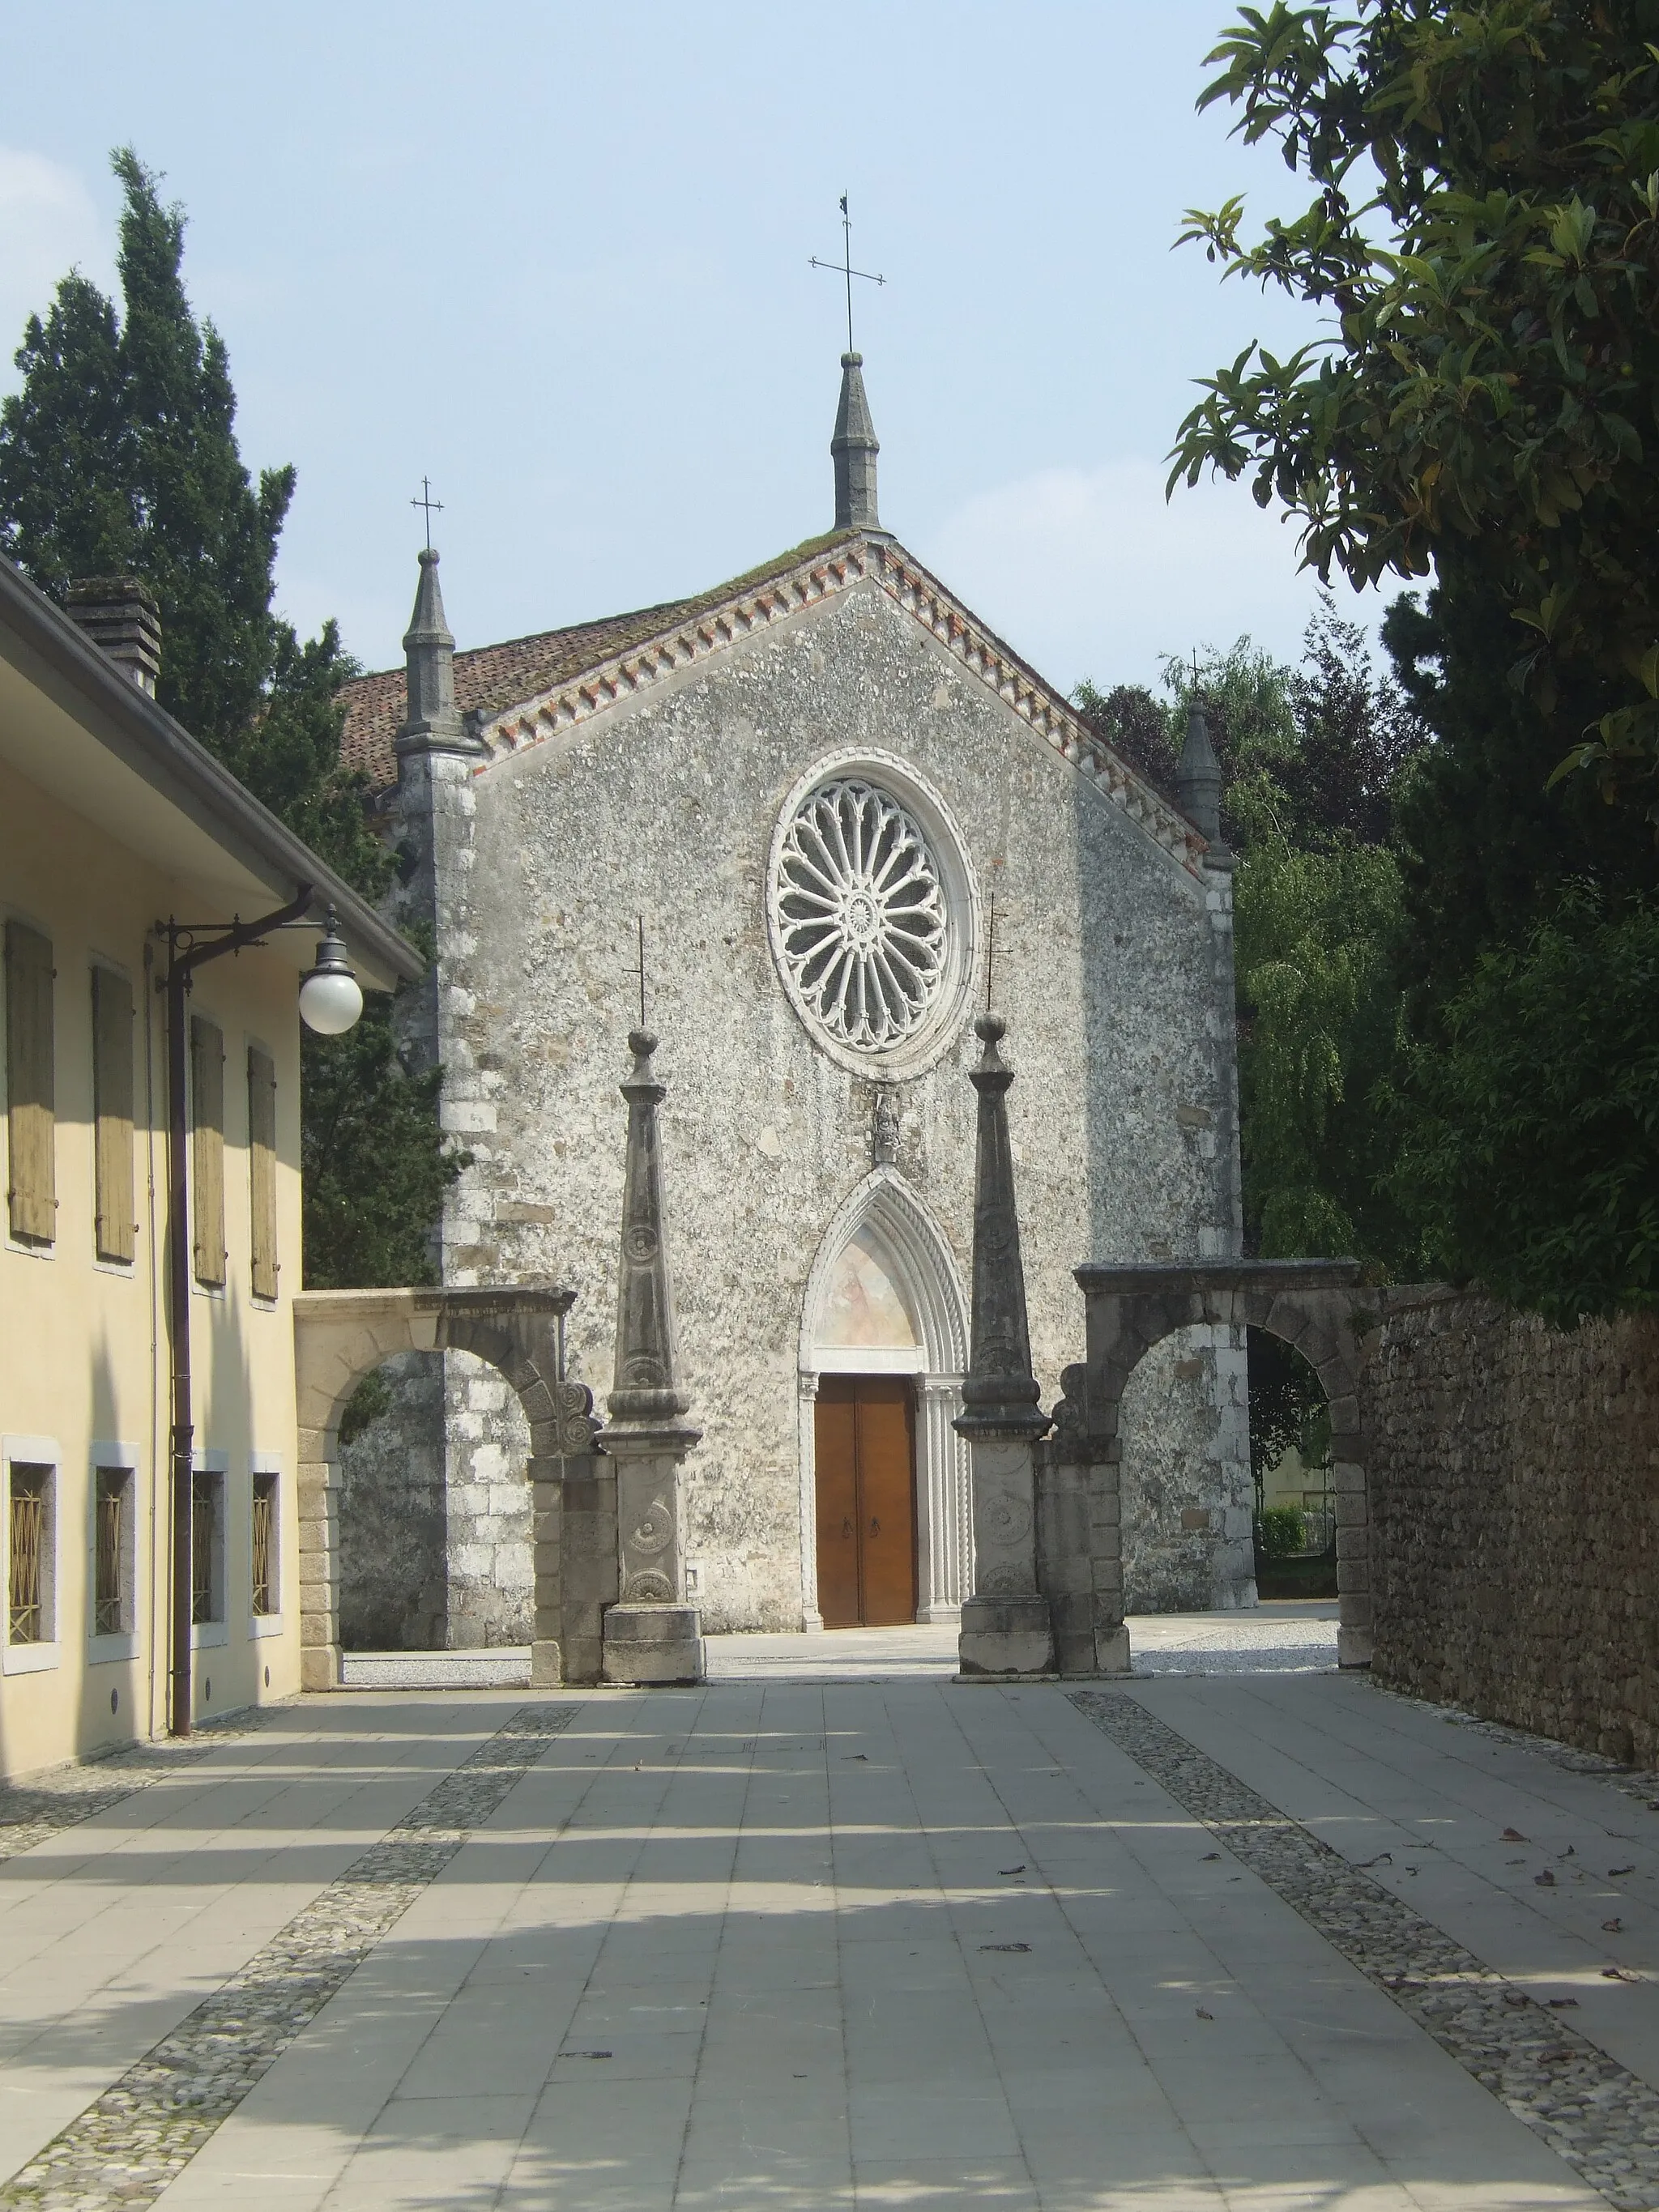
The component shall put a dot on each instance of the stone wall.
(393, 1577)
(435, 1513)
(1515, 1518)
(1186, 1477)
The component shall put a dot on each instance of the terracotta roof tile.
(492, 677)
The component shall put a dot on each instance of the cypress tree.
(118, 456)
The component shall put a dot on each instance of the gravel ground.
(33, 1810)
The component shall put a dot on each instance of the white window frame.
(208, 1635)
(266, 1623)
(121, 1454)
(31, 1451)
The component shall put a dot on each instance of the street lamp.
(331, 1000)
(331, 996)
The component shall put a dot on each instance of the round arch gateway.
(884, 1297)
(340, 1336)
(1319, 1306)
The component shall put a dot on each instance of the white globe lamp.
(331, 996)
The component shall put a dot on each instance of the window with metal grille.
(111, 1538)
(28, 1595)
(265, 1544)
(207, 1580)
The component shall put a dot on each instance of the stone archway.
(1319, 1306)
(884, 1217)
(340, 1336)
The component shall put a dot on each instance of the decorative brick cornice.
(640, 669)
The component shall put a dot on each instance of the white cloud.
(49, 224)
(1089, 572)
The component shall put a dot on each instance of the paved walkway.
(1245, 1941)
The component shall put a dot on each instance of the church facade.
(836, 809)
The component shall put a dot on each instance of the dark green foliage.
(1482, 247)
(1486, 849)
(1531, 1145)
(1136, 725)
(1317, 937)
(1288, 1412)
(1279, 1532)
(371, 1398)
(375, 1170)
(1314, 758)
(118, 456)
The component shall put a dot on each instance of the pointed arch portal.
(884, 1298)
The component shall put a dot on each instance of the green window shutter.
(262, 1167)
(112, 1097)
(207, 1161)
(30, 1087)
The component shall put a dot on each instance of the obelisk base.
(1006, 1637)
(652, 1643)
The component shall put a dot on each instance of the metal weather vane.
(844, 267)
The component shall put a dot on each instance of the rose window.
(860, 915)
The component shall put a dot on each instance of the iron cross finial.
(640, 925)
(844, 267)
(990, 948)
(432, 505)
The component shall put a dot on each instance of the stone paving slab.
(898, 1942)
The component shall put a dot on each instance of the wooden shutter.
(262, 1167)
(207, 1079)
(30, 1091)
(112, 1098)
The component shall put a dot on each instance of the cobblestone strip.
(31, 1811)
(1601, 2118)
(141, 2133)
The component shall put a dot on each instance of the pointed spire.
(433, 723)
(1000, 1394)
(647, 1402)
(854, 447)
(1198, 776)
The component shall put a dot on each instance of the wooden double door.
(865, 1459)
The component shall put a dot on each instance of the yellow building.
(112, 820)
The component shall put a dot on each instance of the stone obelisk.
(1005, 1625)
(651, 1634)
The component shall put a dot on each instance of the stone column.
(939, 1399)
(651, 1634)
(1005, 1625)
(811, 1620)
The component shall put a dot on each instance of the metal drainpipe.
(232, 937)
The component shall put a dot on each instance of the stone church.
(827, 798)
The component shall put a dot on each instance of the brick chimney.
(120, 616)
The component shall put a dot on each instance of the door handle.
(845, 1528)
(875, 1528)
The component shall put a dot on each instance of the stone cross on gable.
(432, 505)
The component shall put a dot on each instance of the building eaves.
(152, 746)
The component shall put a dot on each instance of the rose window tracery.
(860, 915)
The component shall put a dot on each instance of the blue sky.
(556, 257)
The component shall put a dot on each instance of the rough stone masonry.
(1515, 1517)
